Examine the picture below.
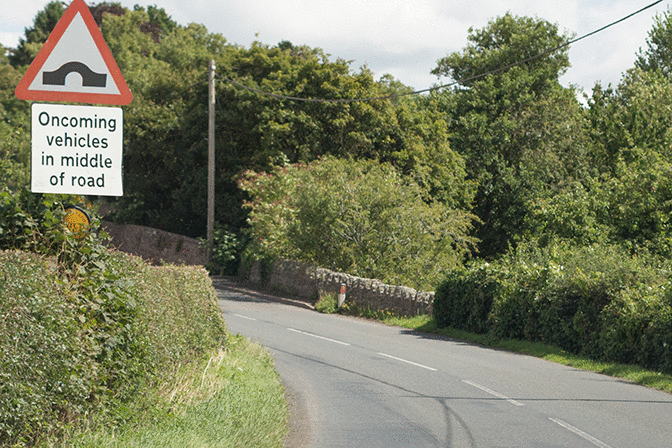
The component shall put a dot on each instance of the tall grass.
(231, 399)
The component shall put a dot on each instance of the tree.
(505, 41)
(355, 216)
(43, 24)
(166, 126)
(632, 117)
(658, 54)
(99, 10)
(14, 130)
(630, 207)
(165, 156)
(522, 134)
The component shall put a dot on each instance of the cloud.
(400, 37)
(9, 39)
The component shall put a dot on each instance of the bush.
(359, 217)
(86, 330)
(597, 301)
(637, 327)
(327, 303)
(464, 300)
(31, 222)
(225, 255)
(46, 373)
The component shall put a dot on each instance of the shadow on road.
(245, 291)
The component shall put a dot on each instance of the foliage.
(225, 255)
(359, 217)
(100, 9)
(91, 325)
(166, 125)
(506, 40)
(658, 54)
(14, 130)
(576, 213)
(44, 371)
(521, 133)
(327, 303)
(597, 301)
(635, 115)
(43, 24)
(630, 207)
(512, 145)
(32, 222)
(464, 299)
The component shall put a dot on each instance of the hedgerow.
(598, 301)
(85, 330)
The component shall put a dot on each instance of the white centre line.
(407, 361)
(580, 433)
(492, 392)
(245, 317)
(318, 337)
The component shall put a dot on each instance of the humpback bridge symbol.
(89, 77)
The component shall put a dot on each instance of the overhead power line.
(442, 86)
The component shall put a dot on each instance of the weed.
(327, 303)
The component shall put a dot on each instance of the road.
(356, 383)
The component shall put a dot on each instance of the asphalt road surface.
(356, 383)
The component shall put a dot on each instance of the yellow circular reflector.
(77, 220)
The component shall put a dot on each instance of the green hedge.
(85, 330)
(45, 371)
(597, 301)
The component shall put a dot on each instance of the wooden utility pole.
(211, 158)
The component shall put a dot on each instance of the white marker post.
(341, 295)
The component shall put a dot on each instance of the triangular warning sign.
(75, 65)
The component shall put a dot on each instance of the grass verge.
(427, 324)
(233, 398)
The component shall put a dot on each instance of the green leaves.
(85, 328)
(594, 300)
(522, 135)
(658, 54)
(44, 23)
(81, 347)
(503, 42)
(359, 217)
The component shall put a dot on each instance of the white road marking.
(245, 317)
(580, 433)
(318, 337)
(492, 392)
(407, 361)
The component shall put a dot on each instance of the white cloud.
(401, 37)
(9, 39)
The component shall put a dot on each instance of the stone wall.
(309, 281)
(292, 277)
(155, 245)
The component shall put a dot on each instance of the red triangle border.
(22, 91)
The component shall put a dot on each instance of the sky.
(404, 38)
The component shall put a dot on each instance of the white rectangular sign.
(77, 149)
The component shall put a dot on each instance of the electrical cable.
(442, 86)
